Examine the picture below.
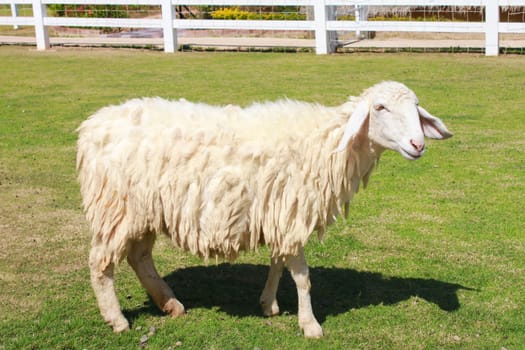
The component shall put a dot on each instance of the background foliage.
(235, 13)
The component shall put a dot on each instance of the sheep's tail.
(104, 205)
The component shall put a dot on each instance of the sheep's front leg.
(299, 271)
(268, 298)
(141, 260)
(103, 285)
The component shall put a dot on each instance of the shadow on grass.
(235, 289)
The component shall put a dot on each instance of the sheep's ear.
(354, 124)
(432, 127)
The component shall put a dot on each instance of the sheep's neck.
(341, 174)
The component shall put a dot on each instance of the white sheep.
(220, 180)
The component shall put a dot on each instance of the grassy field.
(432, 255)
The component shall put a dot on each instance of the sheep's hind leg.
(300, 274)
(141, 260)
(103, 285)
(268, 298)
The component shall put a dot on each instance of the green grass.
(432, 255)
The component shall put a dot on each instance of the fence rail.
(323, 24)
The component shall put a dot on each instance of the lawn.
(431, 256)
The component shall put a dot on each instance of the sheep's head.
(395, 120)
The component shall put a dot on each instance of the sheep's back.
(212, 177)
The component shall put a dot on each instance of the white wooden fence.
(323, 24)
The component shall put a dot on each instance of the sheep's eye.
(379, 107)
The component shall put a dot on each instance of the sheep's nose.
(418, 146)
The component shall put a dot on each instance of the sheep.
(219, 180)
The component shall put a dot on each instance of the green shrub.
(91, 11)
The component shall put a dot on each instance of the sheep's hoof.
(312, 330)
(270, 309)
(120, 325)
(174, 308)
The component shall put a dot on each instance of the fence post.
(361, 15)
(169, 33)
(14, 13)
(491, 27)
(41, 34)
(324, 40)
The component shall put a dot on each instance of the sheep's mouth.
(411, 155)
